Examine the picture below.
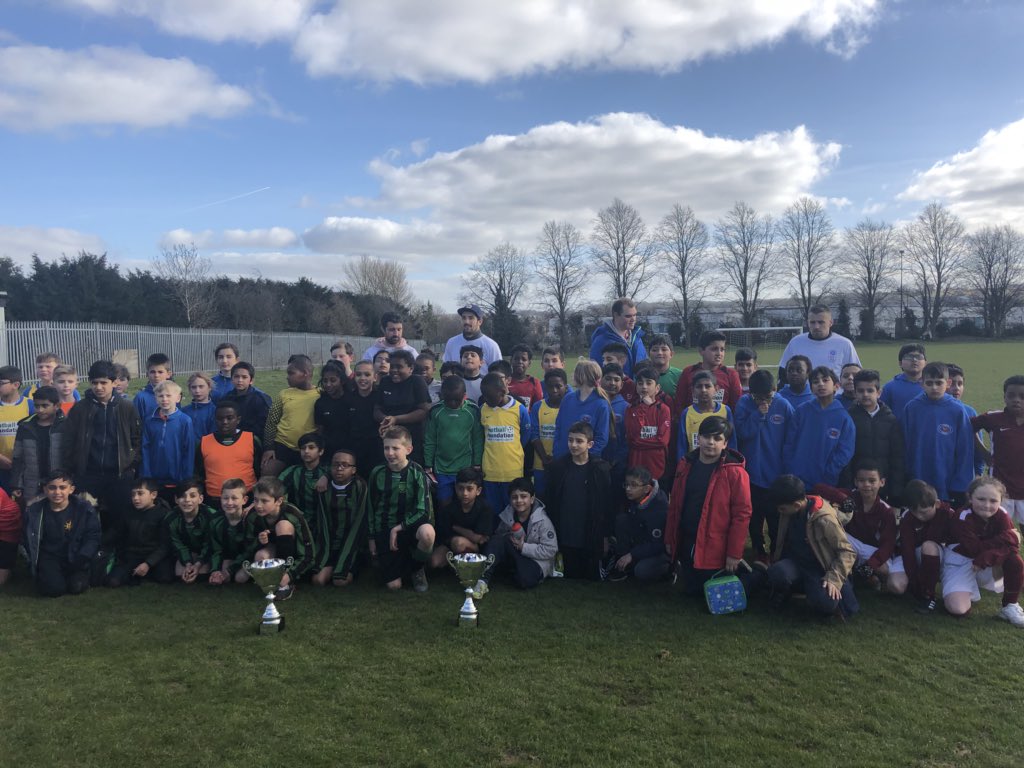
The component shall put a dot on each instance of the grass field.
(568, 674)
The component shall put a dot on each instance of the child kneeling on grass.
(228, 533)
(61, 535)
(140, 549)
(989, 542)
(525, 542)
(188, 528)
(639, 544)
(927, 527)
(465, 524)
(812, 554)
(400, 515)
(278, 530)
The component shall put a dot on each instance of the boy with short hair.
(813, 554)
(343, 352)
(61, 536)
(709, 509)
(399, 514)
(618, 354)
(552, 358)
(763, 421)
(121, 379)
(226, 355)
(522, 385)
(711, 346)
(524, 540)
(579, 504)
(940, 441)
(228, 532)
(253, 403)
(14, 406)
(454, 438)
(344, 500)
(425, 368)
(46, 365)
(797, 389)
(905, 386)
(300, 483)
(290, 417)
(141, 548)
(878, 436)
(103, 444)
(168, 439)
(229, 453)
(1007, 455)
(158, 368)
(543, 414)
(926, 529)
(957, 387)
(647, 425)
(465, 523)
(616, 453)
(639, 544)
(848, 394)
(471, 358)
(38, 445)
(745, 363)
(822, 440)
(278, 530)
(706, 403)
(202, 408)
(505, 423)
(188, 531)
(659, 354)
(65, 380)
(403, 400)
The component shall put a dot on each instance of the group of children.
(605, 477)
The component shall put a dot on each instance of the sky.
(286, 137)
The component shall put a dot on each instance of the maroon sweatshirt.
(986, 542)
(875, 526)
(914, 533)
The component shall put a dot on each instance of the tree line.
(744, 255)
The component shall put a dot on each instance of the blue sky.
(287, 136)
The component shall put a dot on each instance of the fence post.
(95, 338)
(49, 338)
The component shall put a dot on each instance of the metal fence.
(190, 349)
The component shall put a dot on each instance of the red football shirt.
(1007, 449)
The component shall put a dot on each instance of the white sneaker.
(1013, 613)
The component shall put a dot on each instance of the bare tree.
(936, 245)
(868, 250)
(746, 247)
(806, 240)
(559, 263)
(622, 250)
(378, 277)
(995, 271)
(187, 272)
(683, 243)
(497, 280)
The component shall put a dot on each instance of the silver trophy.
(266, 574)
(470, 568)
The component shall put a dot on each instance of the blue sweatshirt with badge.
(820, 443)
(899, 391)
(595, 411)
(762, 437)
(940, 443)
(796, 399)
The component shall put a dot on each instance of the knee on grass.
(957, 603)
(897, 583)
(425, 538)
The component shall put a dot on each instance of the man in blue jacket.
(822, 440)
(621, 328)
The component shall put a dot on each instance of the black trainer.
(926, 607)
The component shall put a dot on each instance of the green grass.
(568, 674)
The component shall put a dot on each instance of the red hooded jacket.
(724, 517)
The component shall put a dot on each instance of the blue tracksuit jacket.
(145, 402)
(940, 443)
(202, 417)
(616, 452)
(594, 411)
(820, 443)
(899, 391)
(762, 437)
(168, 448)
(796, 399)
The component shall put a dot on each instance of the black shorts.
(8, 555)
(395, 565)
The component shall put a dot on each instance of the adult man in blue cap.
(472, 318)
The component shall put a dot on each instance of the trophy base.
(272, 628)
(467, 622)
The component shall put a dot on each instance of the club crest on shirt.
(833, 433)
(67, 525)
(776, 418)
(945, 429)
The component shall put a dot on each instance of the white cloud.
(46, 88)
(984, 185)
(254, 21)
(447, 40)
(19, 243)
(439, 214)
(272, 238)
(872, 207)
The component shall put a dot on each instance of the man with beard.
(472, 318)
(392, 340)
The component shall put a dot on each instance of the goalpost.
(768, 342)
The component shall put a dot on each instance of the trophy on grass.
(266, 574)
(470, 568)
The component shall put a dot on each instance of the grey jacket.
(541, 540)
(25, 460)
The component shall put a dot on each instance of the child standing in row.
(587, 403)
(506, 431)
(543, 415)
(290, 417)
(454, 438)
(38, 446)
(821, 442)
(202, 408)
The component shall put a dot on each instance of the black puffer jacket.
(879, 437)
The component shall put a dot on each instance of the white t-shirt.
(834, 350)
(490, 347)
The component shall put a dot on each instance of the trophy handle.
(451, 558)
(288, 562)
(245, 567)
(490, 560)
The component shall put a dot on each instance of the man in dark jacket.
(579, 504)
(639, 544)
(102, 444)
(62, 537)
(879, 437)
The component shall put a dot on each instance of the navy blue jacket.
(650, 513)
(85, 532)
(762, 437)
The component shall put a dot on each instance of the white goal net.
(767, 342)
